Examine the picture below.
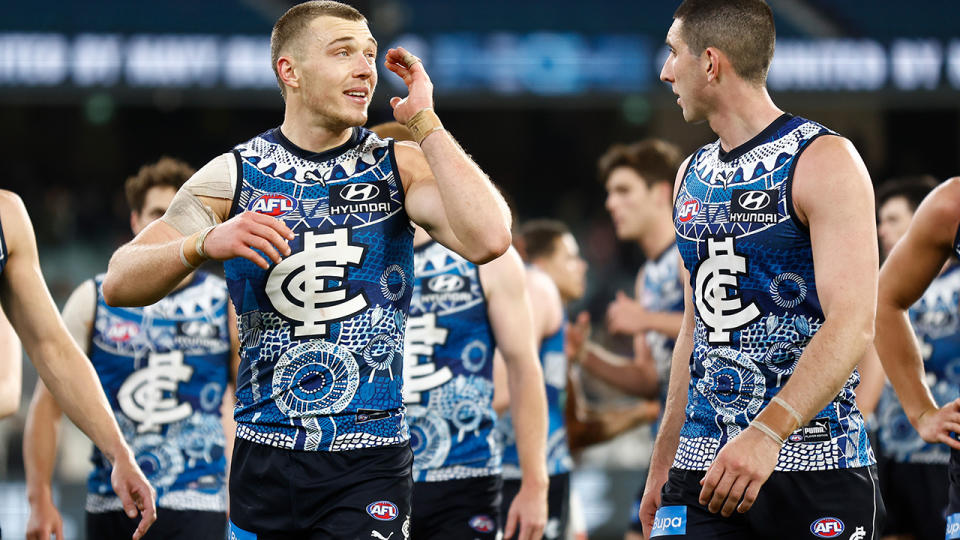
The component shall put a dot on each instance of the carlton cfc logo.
(383, 510)
(828, 527)
(688, 210)
(273, 205)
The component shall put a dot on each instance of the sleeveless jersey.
(322, 331)
(663, 292)
(956, 244)
(756, 305)
(164, 369)
(553, 359)
(935, 319)
(448, 371)
(3, 250)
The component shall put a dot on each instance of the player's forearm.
(142, 274)
(621, 372)
(73, 382)
(666, 323)
(900, 355)
(10, 369)
(528, 408)
(40, 444)
(475, 210)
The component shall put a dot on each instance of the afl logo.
(273, 205)
(359, 192)
(482, 524)
(827, 527)
(123, 331)
(383, 510)
(754, 200)
(445, 284)
(688, 210)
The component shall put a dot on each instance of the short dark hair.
(540, 237)
(655, 160)
(742, 29)
(911, 188)
(292, 23)
(167, 171)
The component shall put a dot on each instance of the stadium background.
(534, 90)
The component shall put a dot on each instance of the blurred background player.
(776, 227)
(11, 361)
(460, 313)
(167, 370)
(60, 363)
(920, 269)
(313, 221)
(913, 473)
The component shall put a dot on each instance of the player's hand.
(577, 335)
(650, 501)
(528, 513)
(740, 469)
(136, 494)
(238, 236)
(419, 87)
(938, 425)
(625, 315)
(44, 521)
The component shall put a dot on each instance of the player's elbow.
(491, 245)
(9, 398)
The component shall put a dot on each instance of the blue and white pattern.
(935, 318)
(754, 290)
(164, 369)
(3, 250)
(448, 355)
(322, 331)
(553, 359)
(662, 292)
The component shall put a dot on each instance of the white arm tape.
(217, 179)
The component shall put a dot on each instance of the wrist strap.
(183, 257)
(423, 124)
(201, 238)
(781, 402)
(767, 431)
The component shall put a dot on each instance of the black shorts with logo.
(953, 503)
(916, 498)
(843, 503)
(467, 508)
(295, 495)
(170, 525)
(558, 504)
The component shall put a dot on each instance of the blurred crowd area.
(534, 94)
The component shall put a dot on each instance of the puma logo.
(379, 536)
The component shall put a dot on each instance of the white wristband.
(183, 257)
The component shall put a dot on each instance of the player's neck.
(310, 133)
(742, 113)
(658, 239)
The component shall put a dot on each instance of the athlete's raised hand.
(740, 469)
(136, 494)
(419, 87)
(241, 234)
(44, 520)
(528, 513)
(625, 315)
(939, 425)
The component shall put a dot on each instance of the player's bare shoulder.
(412, 163)
(938, 218)
(13, 219)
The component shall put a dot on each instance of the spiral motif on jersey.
(781, 358)
(429, 438)
(474, 356)
(160, 462)
(198, 436)
(794, 290)
(211, 396)
(732, 383)
(315, 378)
(379, 354)
(390, 274)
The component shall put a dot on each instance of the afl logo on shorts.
(382, 510)
(482, 524)
(123, 331)
(273, 205)
(688, 210)
(827, 527)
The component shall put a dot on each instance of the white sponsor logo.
(445, 283)
(149, 395)
(754, 200)
(359, 192)
(297, 286)
(716, 275)
(421, 337)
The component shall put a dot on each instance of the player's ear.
(711, 63)
(287, 71)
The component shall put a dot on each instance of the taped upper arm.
(205, 199)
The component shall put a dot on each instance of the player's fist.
(44, 521)
(244, 233)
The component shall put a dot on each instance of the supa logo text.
(828, 527)
(383, 510)
(273, 204)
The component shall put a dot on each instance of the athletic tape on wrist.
(201, 238)
(183, 257)
(423, 124)
(767, 431)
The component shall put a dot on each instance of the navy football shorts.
(915, 495)
(296, 495)
(953, 504)
(467, 508)
(170, 525)
(842, 503)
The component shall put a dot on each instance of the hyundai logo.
(446, 283)
(754, 200)
(359, 192)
